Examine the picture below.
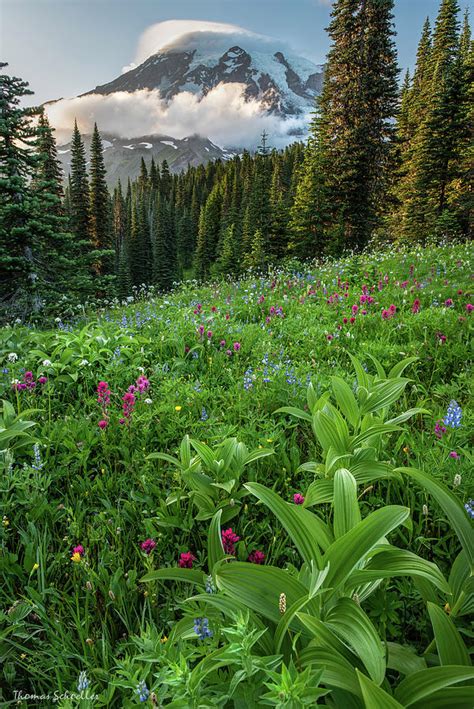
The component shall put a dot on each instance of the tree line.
(381, 161)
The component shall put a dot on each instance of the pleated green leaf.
(325, 637)
(347, 551)
(451, 506)
(337, 671)
(297, 413)
(452, 697)
(319, 491)
(175, 574)
(259, 587)
(404, 659)
(392, 561)
(449, 643)
(421, 685)
(374, 696)
(346, 400)
(307, 531)
(346, 505)
(355, 629)
(215, 550)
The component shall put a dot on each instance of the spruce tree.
(17, 166)
(164, 247)
(209, 230)
(344, 179)
(227, 262)
(61, 270)
(100, 222)
(79, 192)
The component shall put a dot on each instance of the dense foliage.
(379, 163)
(246, 494)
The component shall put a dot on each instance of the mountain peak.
(285, 85)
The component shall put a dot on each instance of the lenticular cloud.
(223, 114)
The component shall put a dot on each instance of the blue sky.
(65, 47)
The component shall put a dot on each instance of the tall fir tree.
(344, 181)
(17, 166)
(61, 268)
(209, 231)
(100, 212)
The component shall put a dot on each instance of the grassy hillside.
(82, 490)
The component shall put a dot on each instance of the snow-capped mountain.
(122, 157)
(285, 85)
(217, 85)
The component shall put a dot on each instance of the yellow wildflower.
(164, 639)
(35, 566)
(178, 408)
(76, 557)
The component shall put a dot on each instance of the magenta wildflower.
(42, 380)
(236, 346)
(439, 429)
(142, 383)
(416, 306)
(186, 560)
(298, 499)
(449, 302)
(128, 404)
(103, 394)
(102, 424)
(209, 334)
(148, 545)
(229, 539)
(454, 455)
(78, 550)
(256, 557)
(222, 343)
(469, 307)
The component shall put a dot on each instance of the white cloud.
(222, 115)
(182, 34)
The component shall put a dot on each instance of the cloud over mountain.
(216, 80)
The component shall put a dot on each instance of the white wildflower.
(12, 357)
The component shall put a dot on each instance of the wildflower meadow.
(257, 492)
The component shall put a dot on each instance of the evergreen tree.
(17, 166)
(279, 213)
(165, 180)
(257, 257)
(344, 180)
(227, 262)
(60, 266)
(164, 247)
(79, 192)
(100, 223)
(208, 236)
